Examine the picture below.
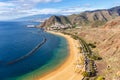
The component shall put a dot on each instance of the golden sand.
(67, 70)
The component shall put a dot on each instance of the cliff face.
(87, 18)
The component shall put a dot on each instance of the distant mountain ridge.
(88, 18)
(37, 18)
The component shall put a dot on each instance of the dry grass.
(108, 46)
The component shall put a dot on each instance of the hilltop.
(88, 18)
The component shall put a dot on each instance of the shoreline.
(66, 70)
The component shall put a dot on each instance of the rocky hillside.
(55, 19)
(113, 24)
(108, 46)
(107, 42)
(87, 18)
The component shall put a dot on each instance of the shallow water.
(17, 40)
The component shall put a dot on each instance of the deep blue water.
(16, 40)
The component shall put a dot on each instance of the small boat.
(30, 26)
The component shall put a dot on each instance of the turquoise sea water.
(17, 40)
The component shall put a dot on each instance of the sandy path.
(67, 70)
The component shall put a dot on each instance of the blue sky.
(10, 9)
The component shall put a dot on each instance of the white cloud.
(17, 8)
(3, 4)
(87, 5)
(33, 1)
(45, 11)
(44, 0)
(58, 11)
(34, 11)
(116, 4)
(76, 10)
(20, 8)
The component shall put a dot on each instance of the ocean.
(17, 40)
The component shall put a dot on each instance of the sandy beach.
(67, 70)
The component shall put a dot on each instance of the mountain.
(88, 18)
(55, 19)
(113, 24)
(38, 18)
